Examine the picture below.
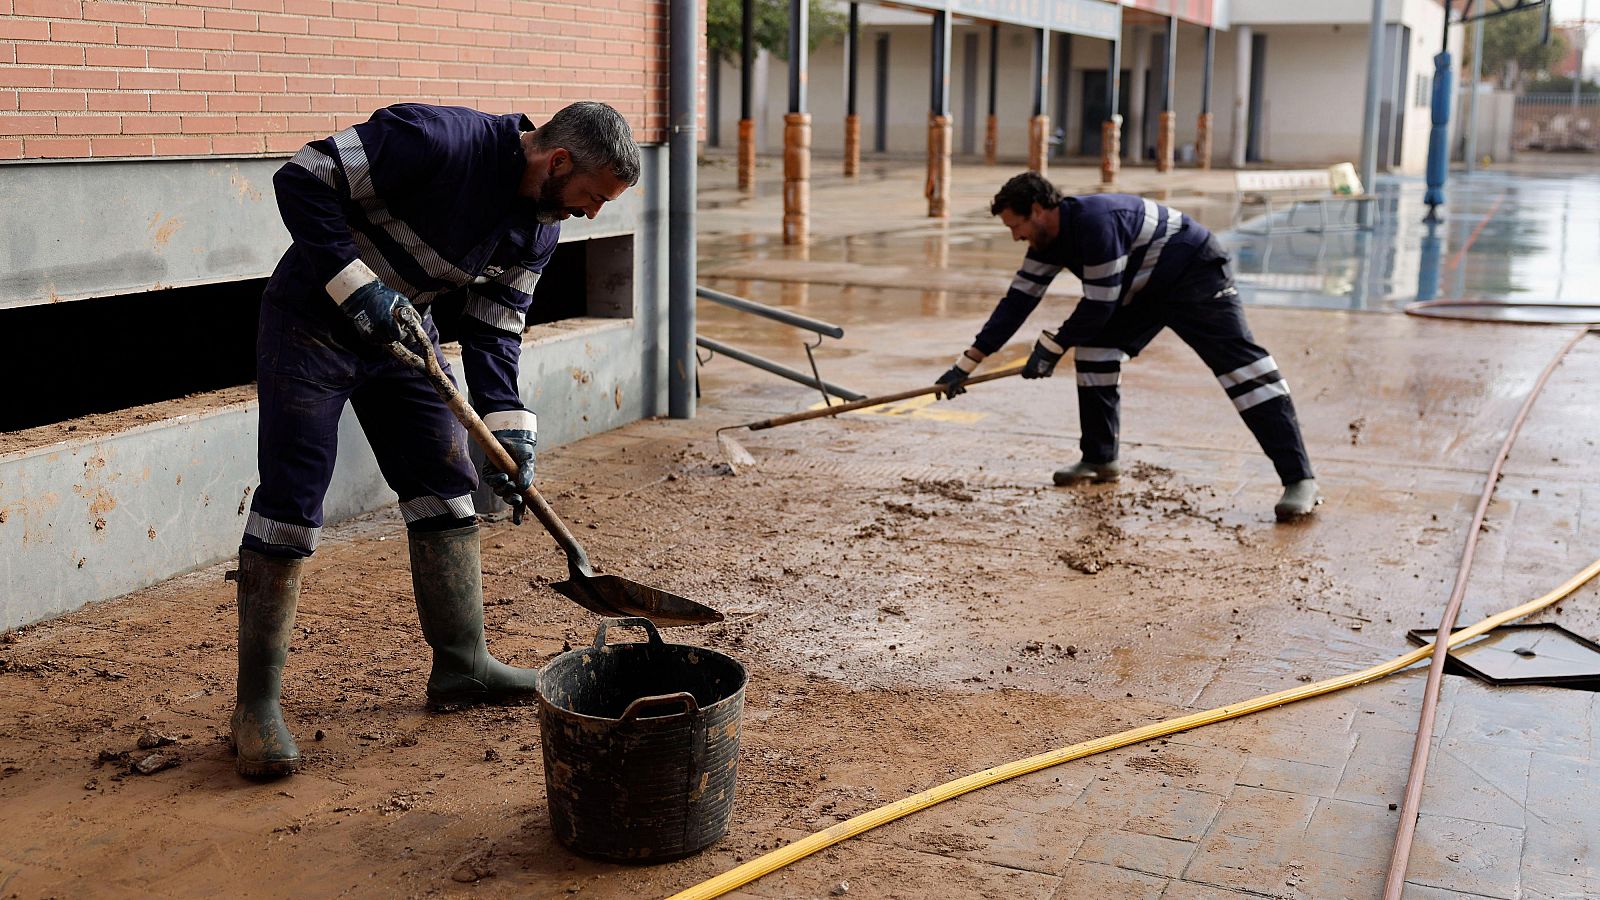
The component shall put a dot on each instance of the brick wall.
(108, 78)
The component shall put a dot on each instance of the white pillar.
(1133, 116)
(1241, 94)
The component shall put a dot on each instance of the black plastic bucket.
(641, 745)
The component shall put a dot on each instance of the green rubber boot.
(1094, 473)
(448, 580)
(269, 588)
(1299, 500)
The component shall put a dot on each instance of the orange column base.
(1166, 136)
(796, 178)
(852, 146)
(1110, 149)
(991, 140)
(747, 154)
(1039, 144)
(938, 185)
(1202, 143)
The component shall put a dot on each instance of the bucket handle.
(682, 698)
(635, 621)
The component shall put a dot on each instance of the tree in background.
(724, 26)
(1513, 48)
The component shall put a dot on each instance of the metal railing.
(816, 326)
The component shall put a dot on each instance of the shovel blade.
(734, 453)
(613, 595)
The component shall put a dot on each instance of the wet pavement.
(915, 602)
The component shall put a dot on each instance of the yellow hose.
(883, 815)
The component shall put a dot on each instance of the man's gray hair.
(596, 135)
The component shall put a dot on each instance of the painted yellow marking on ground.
(928, 407)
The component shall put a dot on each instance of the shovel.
(607, 595)
(736, 455)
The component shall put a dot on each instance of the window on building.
(1424, 90)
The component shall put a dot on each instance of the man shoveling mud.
(413, 204)
(1144, 267)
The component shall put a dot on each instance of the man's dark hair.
(1022, 192)
(596, 135)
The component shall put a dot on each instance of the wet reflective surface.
(1504, 238)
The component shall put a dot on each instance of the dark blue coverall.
(424, 198)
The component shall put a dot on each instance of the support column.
(852, 122)
(1039, 123)
(991, 134)
(1167, 126)
(939, 130)
(747, 125)
(1137, 99)
(797, 133)
(1203, 132)
(1242, 38)
(1111, 128)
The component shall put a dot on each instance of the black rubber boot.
(1085, 471)
(448, 581)
(269, 587)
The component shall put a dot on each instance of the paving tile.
(1317, 746)
(1414, 891)
(1475, 857)
(1563, 826)
(1263, 815)
(1148, 808)
(991, 834)
(1083, 880)
(1537, 885)
(893, 872)
(1188, 890)
(1477, 781)
(1290, 776)
(1353, 829)
(1139, 852)
(1208, 769)
(1262, 867)
(1553, 720)
(1325, 875)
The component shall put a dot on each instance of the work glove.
(960, 372)
(519, 443)
(371, 308)
(1042, 361)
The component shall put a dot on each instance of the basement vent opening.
(86, 357)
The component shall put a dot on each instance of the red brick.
(300, 45)
(400, 14)
(11, 149)
(357, 86)
(233, 62)
(95, 79)
(24, 30)
(177, 59)
(436, 17)
(53, 101)
(232, 21)
(56, 148)
(177, 16)
(359, 48)
(377, 67)
(284, 24)
(285, 63)
(183, 146)
(308, 7)
(344, 9)
(410, 69)
(334, 103)
(205, 40)
(334, 65)
(114, 57)
(417, 34)
(88, 125)
(120, 146)
(148, 81)
(286, 103)
(49, 9)
(210, 124)
(151, 124)
(377, 31)
(8, 101)
(258, 43)
(331, 27)
(259, 84)
(233, 103)
(204, 81)
(287, 143)
(238, 143)
(141, 36)
(27, 124)
(317, 124)
(49, 55)
(98, 11)
(264, 124)
(177, 103)
(121, 101)
(267, 6)
(305, 84)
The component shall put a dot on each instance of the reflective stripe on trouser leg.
(1099, 374)
(1261, 395)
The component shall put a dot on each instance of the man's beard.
(548, 208)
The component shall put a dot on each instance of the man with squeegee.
(1144, 267)
(415, 203)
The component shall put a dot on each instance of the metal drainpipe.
(683, 92)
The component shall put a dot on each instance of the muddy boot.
(1094, 473)
(448, 581)
(1299, 500)
(268, 589)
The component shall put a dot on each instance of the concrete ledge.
(91, 518)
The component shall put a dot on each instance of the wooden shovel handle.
(877, 401)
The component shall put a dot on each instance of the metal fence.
(1557, 122)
